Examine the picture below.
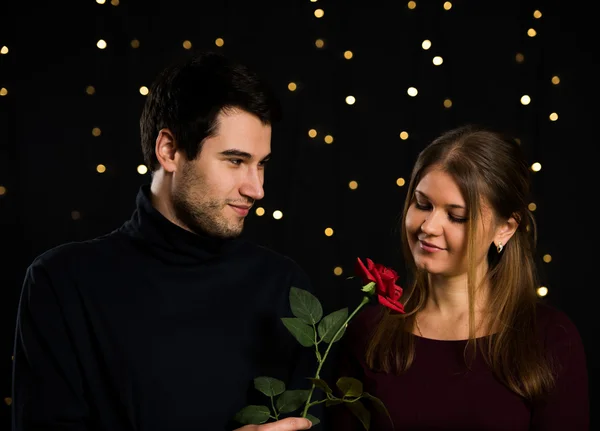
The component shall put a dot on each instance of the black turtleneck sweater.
(152, 327)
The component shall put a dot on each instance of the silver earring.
(500, 247)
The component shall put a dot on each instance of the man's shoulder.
(271, 256)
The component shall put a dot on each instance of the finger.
(287, 424)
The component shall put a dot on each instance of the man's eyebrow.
(242, 154)
(448, 206)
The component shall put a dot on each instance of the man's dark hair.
(187, 97)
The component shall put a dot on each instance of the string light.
(353, 185)
(100, 1)
(404, 135)
(4, 50)
(292, 86)
(400, 182)
(135, 43)
(531, 32)
(338, 270)
(348, 55)
(8, 401)
(437, 60)
(312, 133)
(90, 90)
(426, 44)
(525, 99)
(142, 169)
(547, 258)
(277, 215)
(319, 13)
(537, 14)
(3, 91)
(447, 5)
(96, 131)
(350, 100)
(542, 291)
(2, 190)
(519, 58)
(328, 139)
(144, 90)
(187, 44)
(554, 116)
(555, 80)
(100, 169)
(329, 232)
(260, 211)
(412, 4)
(101, 44)
(114, 2)
(412, 91)
(219, 41)
(319, 43)
(536, 167)
(532, 206)
(447, 103)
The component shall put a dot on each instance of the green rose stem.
(364, 301)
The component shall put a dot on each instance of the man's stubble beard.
(203, 217)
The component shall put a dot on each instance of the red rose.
(388, 293)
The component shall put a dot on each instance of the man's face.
(214, 192)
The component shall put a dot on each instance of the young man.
(164, 323)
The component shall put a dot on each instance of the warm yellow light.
(328, 139)
(536, 167)
(537, 14)
(542, 291)
(329, 231)
(520, 58)
(353, 185)
(447, 5)
(96, 131)
(412, 91)
(525, 99)
(260, 211)
(100, 1)
(426, 44)
(277, 215)
(531, 32)
(312, 133)
(114, 2)
(547, 258)
(101, 169)
(532, 206)
(319, 13)
(348, 55)
(142, 169)
(350, 100)
(555, 80)
(338, 270)
(404, 135)
(90, 90)
(292, 86)
(518, 141)
(101, 44)
(447, 103)
(75, 215)
(219, 41)
(319, 43)
(437, 60)
(412, 4)
(313, 1)
(2, 190)
(8, 401)
(135, 43)
(400, 182)
(187, 44)
(4, 50)
(3, 91)
(144, 90)
(554, 116)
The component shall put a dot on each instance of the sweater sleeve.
(567, 406)
(47, 385)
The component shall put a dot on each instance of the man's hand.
(287, 424)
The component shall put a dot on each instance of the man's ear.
(166, 150)
(505, 230)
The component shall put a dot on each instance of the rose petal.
(363, 272)
(396, 306)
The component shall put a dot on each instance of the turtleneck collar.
(168, 241)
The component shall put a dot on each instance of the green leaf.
(305, 306)
(350, 386)
(359, 410)
(254, 415)
(379, 405)
(291, 400)
(330, 325)
(321, 384)
(369, 288)
(315, 420)
(269, 386)
(304, 334)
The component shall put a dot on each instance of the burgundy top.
(439, 393)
